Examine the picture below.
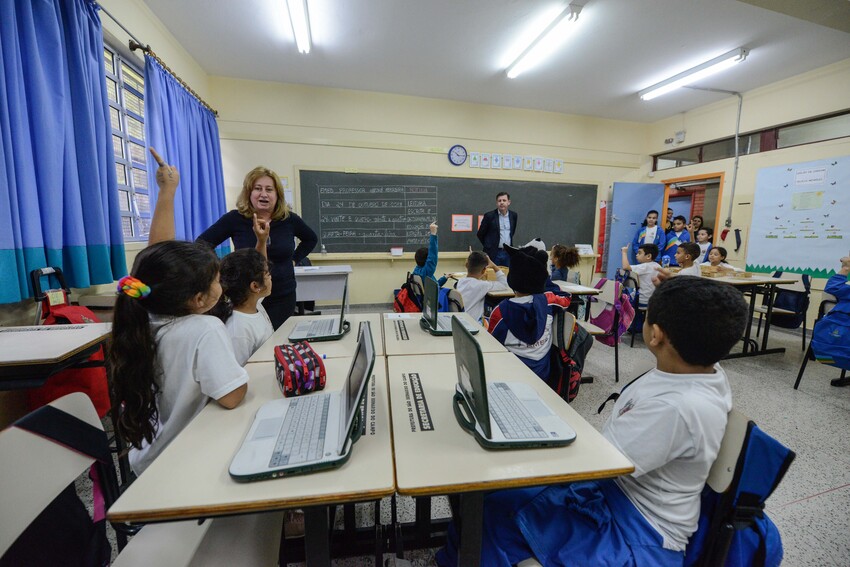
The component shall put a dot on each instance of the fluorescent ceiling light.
(545, 43)
(695, 74)
(300, 20)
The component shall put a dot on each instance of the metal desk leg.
(316, 542)
(471, 528)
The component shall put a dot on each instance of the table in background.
(320, 283)
(752, 284)
(344, 347)
(30, 355)
(403, 335)
(435, 456)
(190, 478)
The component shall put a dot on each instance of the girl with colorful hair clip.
(167, 359)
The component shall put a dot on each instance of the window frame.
(129, 192)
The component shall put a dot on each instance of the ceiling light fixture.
(695, 74)
(548, 40)
(300, 20)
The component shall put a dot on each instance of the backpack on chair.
(88, 377)
(620, 311)
(566, 364)
(407, 300)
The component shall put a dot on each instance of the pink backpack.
(605, 319)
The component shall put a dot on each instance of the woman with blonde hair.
(261, 211)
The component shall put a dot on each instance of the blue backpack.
(752, 538)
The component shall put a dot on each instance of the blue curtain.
(58, 188)
(185, 134)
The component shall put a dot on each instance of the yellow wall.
(816, 93)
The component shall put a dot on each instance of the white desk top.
(575, 289)
(404, 336)
(447, 459)
(755, 280)
(190, 478)
(322, 270)
(47, 344)
(343, 348)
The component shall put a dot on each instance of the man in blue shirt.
(497, 229)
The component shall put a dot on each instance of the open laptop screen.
(470, 374)
(361, 369)
(344, 307)
(429, 301)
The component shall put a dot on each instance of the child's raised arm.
(261, 231)
(162, 223)
(625, 251)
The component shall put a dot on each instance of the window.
(125, 86)
(808, 132)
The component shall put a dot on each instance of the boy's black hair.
(421, 256)
(709, 231)
(681, 218)
(476, 262)
(649, 249)
(691, 249)
(719, 309)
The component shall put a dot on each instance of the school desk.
(435, 456)
(30, 355)
(344, 347)
(319, 283)
(756, 285)
(190, 478)
(403, 335)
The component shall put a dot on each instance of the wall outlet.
(668, 141)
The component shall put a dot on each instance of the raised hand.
(261, 231)
(167, 176)
(162, 222)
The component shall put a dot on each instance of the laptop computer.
(438, 324)
(324, 329)
(292, 436)
(501, 415)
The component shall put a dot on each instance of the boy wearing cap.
(669, 423)
(523, 323)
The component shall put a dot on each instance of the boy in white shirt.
(645, 270)
(686, 257)
(669, 423)
(474, 288)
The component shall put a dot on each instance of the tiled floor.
(812, 505)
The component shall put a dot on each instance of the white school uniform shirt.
(645, 272)
(196, 363)
(703, 248)
(670, 427)
(473, 292)
(248, 332)
(649, 238)
(692, 270)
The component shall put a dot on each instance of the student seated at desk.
(245, 281)
(645, 270)
(426, 258)
(687, 256)
(669, 423)
(564, 261)
(523, 323)
(474, 288)
(717, 257)
(167, 359)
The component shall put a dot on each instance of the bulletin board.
(801, 218)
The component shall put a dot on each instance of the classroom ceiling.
(458, 49)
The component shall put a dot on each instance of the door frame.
(701, 177)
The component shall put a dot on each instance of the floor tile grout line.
(805, 498)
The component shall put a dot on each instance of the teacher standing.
(497, 229)
(262, 199)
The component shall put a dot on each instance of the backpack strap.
(616, 395)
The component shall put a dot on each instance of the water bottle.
(325, 251)
(665, 261)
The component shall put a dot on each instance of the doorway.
(697, 195)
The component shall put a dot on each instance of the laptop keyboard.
(302, 437)
(511, 416)
(320, 327)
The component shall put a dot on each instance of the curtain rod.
(135, 44)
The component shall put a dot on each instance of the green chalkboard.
(370, 212)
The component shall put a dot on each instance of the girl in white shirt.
(167, 359)
(717, 257)
(245, 281)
